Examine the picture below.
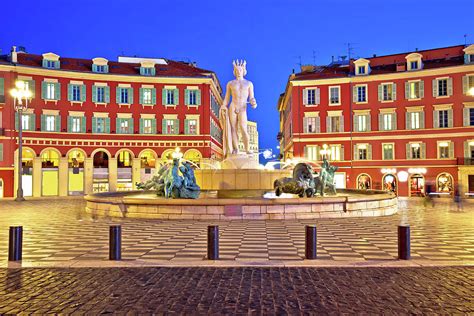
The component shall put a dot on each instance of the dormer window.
(362, 67)
(147, 68)
(414, 61)
(469, 54)
(51, 61)
(100, 65)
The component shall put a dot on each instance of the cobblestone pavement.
(58, 230)
(388, 291)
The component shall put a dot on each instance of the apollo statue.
(233, 117)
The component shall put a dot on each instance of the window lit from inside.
(443, 150)
(388, 151)
(362, 152)
(76, 124)
(147, 126)
(50, 123)
(414, 92)
(387, 92)
(415, 151)
(146, 97)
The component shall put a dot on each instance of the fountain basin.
(242, 204)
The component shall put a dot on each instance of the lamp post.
(21, 96)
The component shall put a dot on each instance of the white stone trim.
(170, 87)
(100, 61)
(124, 85)
(50, 80)
(76, 113)
(100, 84)
(148, 86)
(415, 108)
(442, 106)
(311, 114)
(124, 115)
(170, 116)
(50, 112)
(387, 110)
(147, 116)
(76, 82)
(192, 88)
(51, 56)
(100, 114)
(335, 113)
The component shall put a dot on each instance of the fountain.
(241, 189)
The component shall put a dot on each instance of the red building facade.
(402, 122)
(97, 125)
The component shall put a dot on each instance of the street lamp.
(21, 96)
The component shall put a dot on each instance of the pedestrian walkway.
(238, 291)
(57, 232)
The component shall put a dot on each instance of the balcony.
(466, 161)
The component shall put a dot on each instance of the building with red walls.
(401, 122)
(98, 125)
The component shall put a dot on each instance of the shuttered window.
(170, 96)
(51, 90)
(192, 97)
(147, 126)
(387, 152)
(101, 125)
(147, 96)
(311, 125)
(1, 152)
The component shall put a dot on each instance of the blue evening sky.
(270, 35)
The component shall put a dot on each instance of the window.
(414, 120)
(124, 126)
(387, 92)
(388, 152)
(335, 152)
(101, 94)
(25, 122)
(75, 93)
(76, 126)
(50, 90)
(147, 126)
(311, 96)
(100, 68)
(387, 121)
(170, 97)
(334, 95)
(443, 118)
(51, 64)
(414, 90)
(99, 124)
(468, 85)
(361, 70)
(362, 152)
(415, 151)
(192, 97)
(311, 152)
(146, 96)
(124, 95)
(170, 127)
(50, 123)
(361, 94)
(192, 127)
(442, 87)
(444, 150)
(334, 124)
(147, 71)
(311, 124)
(362, 123)
(468, 116)
(414, 65)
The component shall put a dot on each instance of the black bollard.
(115, 242)
(404, 242)
(15, 241)
(310, 242)
(213, 242)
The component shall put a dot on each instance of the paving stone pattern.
(60, 230)
(222, 291)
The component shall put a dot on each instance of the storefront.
(124, 171)
(417, 185)
(50, 172)
(364, 182)
(390, 183)
(100, 174)
(444, 183)
(147, 165)
(76, 172)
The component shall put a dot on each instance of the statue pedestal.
(240, 161)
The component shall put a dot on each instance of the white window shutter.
(356, 156)
(341, 124)
(450, 86)
(408, 151)
(356, 123)
(342, 153)
(467, 154)
(306, 152)
(435, 119)
(381, 127)
(435, 87)
(394, 91)
(305, 125)
(466, 119)
(450, 118)
(407, 120)
(407, 90)
(422, 89)
(318, 97)
(354, 94)
(394, 121)
(305, 96)
(328, 125)
(369, 123)
(465, 84)
(318, 125)
(369, 152)
(451, 150)
(380, 92)
(423, 151)
(422, 119)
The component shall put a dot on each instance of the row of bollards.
(15, 242)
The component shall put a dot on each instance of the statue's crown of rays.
(239, 63)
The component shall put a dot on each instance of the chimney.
(416, 49)
(374, 55)
(14, 57)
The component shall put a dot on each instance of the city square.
(251, 158)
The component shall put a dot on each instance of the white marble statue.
(234, 117)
